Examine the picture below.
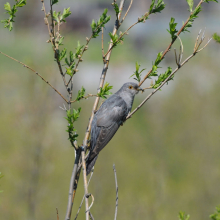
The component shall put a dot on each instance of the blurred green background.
(166, 155)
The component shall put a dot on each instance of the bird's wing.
(108, 119)
(111, 111)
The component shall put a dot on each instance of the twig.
(171, 75)
(72, 188)
(168, 48)
(85, 97)
(91, 216)
(178, 60)
(103, 46)
(85, 183)
(84, 195)
(57, 214)
(24, 65)
(116, 185)
(129, 7)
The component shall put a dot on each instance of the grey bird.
(111, 114)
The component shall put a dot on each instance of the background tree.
(147, 127)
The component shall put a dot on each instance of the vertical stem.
(85, 184)
(72, 184)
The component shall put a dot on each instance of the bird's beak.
(140, 89)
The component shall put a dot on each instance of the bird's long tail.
(89, 164)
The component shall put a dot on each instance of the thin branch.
(84, 195)
(52, 39)
(85, 184)
(85, 97)
(171, 75)
(116, 185)
(91, 216)
(24, 65)
(168, 48)
(57, 214)
(103, 54)
(72, 188)
(129, 7)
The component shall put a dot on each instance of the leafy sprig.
(154, 8)
(190, 3)
(116, 39)
(11, 11)
(162, 78)
(71, 62)
(193, 16)
(55, 2)
(97, 26)
(216, 37)
(216, 216)
(137, 74)
(173, 31)
(155, 65)
(116, 8)
(71, 118)
(81, 94)
(58, 17)
(105, 91)
(183, 216)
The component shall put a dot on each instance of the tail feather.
(90, 164)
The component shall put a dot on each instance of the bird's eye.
(130, 87)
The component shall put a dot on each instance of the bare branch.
(57, 214)
(24, 65)
(129, 7)
(116, 185)
(85, 184)
(73, 185)
(84, 195)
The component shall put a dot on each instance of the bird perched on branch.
(111, 114)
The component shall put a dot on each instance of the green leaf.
(216, 37)
(55, 2)
(190, 3)
(78, 50)
(21, 3)
(62, 54)
(183, 216)
(158, 59)
(162, 78)
(193, 16)
(81, 94)
(207, 1)
(105, 91)
(97, 26)
(137, 74)
(69, 71)
(116, 8)
(158, 7)
(60, 41)
(172, 30)
(216, 216)
(7, 7)
(72, 116)
(66, 13)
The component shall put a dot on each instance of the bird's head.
(131, 88)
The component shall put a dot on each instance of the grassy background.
(166, 156)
